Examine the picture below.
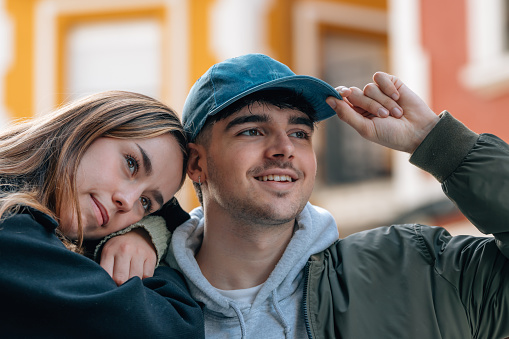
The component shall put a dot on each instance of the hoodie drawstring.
(241, 319)
(280, 314)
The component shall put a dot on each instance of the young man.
(265, 263)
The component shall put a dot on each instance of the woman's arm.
(129, 253)
(49, 291)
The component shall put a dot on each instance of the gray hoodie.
(277, 310)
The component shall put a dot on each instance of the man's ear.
(196, 165)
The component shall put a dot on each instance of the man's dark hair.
(278, 97)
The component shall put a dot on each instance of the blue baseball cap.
(230, 80)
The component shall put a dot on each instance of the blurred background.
(454, 53)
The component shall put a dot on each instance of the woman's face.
(119, 181)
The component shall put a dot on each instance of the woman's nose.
(124, 200)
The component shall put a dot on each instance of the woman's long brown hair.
(39, 157)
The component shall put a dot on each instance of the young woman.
(91, 168)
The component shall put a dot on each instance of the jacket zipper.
(304, 300)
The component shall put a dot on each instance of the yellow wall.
(200, 53)
(379, 4)
(280, 31)
(19, 80)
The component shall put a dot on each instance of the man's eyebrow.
(298, 120)
(247, 119)
(146, 162)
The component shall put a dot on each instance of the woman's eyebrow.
(158, 197)
(146, 162)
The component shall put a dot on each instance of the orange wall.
(444, 39)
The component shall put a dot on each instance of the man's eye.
(132, 164)
(146, 204)
(300, 135)
(251, 132)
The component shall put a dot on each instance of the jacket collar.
(42, 218)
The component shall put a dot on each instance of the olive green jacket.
(415, 281)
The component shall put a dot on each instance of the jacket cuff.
(155, 227)
(444, 148)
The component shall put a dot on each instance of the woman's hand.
(129, 255)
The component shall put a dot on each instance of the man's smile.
(274, 177)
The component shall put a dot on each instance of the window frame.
(487, 68)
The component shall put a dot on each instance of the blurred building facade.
(453, 53)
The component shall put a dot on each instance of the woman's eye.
(146, 203)
(132, 164)
(251, 132)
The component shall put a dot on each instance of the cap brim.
(314, 90)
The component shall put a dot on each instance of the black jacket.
(47, 291)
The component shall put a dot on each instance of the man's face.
(260, 165)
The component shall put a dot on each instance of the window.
(487, 69)
(123, 55)
(351, 58)
(343, 44)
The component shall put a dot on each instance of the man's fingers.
(344, 91)
(365, 103)
(373, 92)
(388, 84)
(347, 114)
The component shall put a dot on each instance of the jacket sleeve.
(474, 172)
(48, 291)
(154, 225)
(479, 275)
(159, 225)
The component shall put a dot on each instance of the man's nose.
(281, 147)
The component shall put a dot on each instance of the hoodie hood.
(316, 230)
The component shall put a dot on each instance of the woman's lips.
(104, 213)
